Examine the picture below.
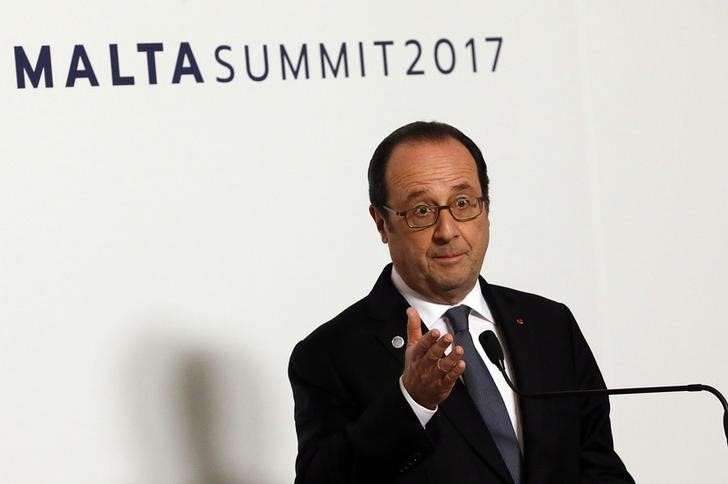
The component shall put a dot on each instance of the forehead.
(430, 168)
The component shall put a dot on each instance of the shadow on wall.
(197, 415)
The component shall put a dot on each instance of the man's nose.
(446, 227)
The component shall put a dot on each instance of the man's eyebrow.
(461, 186)
(415, 194)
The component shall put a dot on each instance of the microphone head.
(492, 347)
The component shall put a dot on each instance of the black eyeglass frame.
(480, 200)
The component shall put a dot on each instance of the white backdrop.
(150, 232)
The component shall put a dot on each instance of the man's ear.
(380, 223)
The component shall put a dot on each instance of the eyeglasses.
(462, 209)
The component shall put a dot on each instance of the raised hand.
(428, 374)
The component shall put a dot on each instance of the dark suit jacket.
(354, 425)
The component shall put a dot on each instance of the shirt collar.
(431, 312)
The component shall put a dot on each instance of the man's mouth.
(448, 257)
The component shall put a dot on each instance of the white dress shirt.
(480, 320)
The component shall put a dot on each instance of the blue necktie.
(485, 394)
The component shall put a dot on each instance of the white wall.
(148, 231)
(657, 124)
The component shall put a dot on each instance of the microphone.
(493, 350)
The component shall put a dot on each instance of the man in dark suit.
(371, 409)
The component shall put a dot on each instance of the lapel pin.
(398, 342)
(520, 321)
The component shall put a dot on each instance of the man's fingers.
(436, 350)
(454, 373)
(414, 329)
(427, 341)
(428, 374)
(447, 363)
(451, 360)
(415, 338)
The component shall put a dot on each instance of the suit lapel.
(387, 307)
(464, 416)
(523, 346)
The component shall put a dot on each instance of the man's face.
(441, 262)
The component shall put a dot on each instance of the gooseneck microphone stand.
(493, 350)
